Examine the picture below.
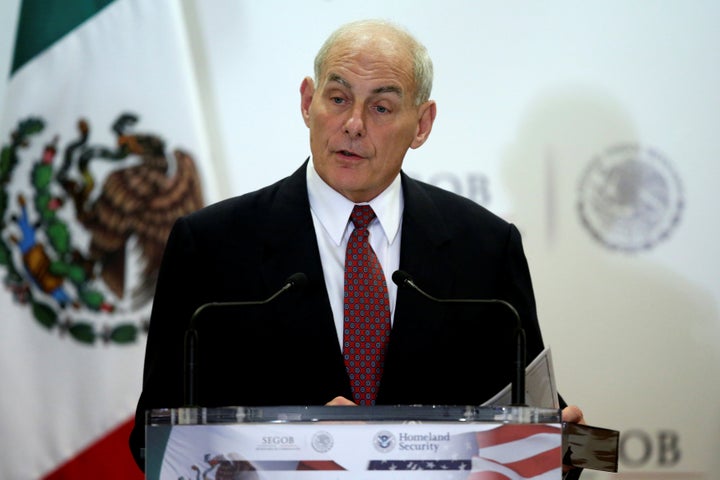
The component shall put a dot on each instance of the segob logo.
(630, 198)
(384, 441)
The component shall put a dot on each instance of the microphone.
(404, 280)
(295, 281)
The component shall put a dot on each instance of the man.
(368, 104)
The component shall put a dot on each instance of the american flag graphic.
(508, 452)
(518, 452)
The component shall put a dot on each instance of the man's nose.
(355, 124)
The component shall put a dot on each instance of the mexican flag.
(102, 148)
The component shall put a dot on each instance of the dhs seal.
(630, 198)
(384, 441)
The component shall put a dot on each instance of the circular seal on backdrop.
(630, 198)
(322, 442)
(384, 441)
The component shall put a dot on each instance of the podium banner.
(449, 449)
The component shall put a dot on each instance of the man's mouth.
(348, 153)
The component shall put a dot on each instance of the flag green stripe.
(43, 22)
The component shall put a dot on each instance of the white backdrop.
(532, 96)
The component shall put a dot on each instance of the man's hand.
(341, 401)
(571, 414)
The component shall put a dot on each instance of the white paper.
(540, 388)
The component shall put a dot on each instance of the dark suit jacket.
(287, 352)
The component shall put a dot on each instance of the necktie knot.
(362, 215)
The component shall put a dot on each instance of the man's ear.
(307, 90)
(426, 117)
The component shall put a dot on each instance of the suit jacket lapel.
(425, 242)
(290, 244)
(418, 323)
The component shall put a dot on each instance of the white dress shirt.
(331, 218)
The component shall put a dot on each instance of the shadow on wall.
(625, 331)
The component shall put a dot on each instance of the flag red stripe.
(487, 475)
(537, 464)
(511, 433)
(318, 465)
(109, 458)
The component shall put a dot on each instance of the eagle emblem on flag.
(84, 224)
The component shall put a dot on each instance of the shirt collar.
(333, 210)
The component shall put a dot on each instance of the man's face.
(362, 117)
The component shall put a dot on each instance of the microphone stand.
(403, 279)
(296, 280)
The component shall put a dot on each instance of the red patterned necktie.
(366, 328)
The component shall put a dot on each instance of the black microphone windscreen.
(297, 280)
(401, 278)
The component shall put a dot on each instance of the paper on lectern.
(540, 387)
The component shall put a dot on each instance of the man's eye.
(381, 109)
(337, 100)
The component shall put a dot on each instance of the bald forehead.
(379, 34)
(377, 39)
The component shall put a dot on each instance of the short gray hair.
(422, 63)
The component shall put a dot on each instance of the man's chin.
(354, 191)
